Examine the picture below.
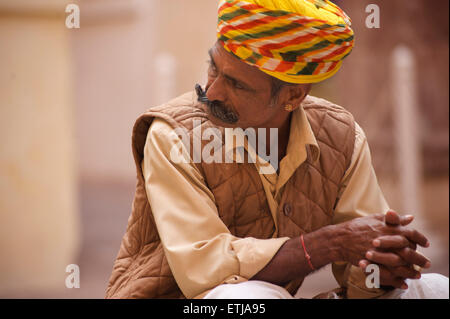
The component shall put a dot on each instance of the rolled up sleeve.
(200, 250)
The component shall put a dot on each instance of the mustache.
(217, 108)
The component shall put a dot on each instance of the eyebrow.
(213, 63)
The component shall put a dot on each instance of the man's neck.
(283, 137)
(280, 141)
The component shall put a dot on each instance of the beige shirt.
(201, 251)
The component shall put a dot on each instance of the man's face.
(238, 88)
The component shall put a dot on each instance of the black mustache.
(217, 108)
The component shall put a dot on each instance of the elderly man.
(224, 227)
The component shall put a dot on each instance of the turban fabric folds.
(296, 41)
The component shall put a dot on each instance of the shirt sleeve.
(359, 195)
(200, 250)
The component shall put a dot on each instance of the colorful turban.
(296, 41)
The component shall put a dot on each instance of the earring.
(289, 107)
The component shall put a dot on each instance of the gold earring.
(289, 107)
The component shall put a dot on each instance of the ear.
(294, 94)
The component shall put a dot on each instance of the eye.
(238, 85)
(212, 69)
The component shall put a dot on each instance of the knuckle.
(406, 252)
(398, 260)
(404, 240)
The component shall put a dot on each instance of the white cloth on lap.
(430, 286)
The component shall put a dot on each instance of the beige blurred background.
(69, 98)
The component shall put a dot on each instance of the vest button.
(287, 209)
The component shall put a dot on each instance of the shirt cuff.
(254, 254)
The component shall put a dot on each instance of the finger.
(416, 237)
(385, 258)
(389, 279)
(413, 257)
(393, 241)
(405, 272)
(363, 263)
(405, 220)
(412, 245)
(392, 218)
(380, 217)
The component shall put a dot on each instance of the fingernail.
(409, 216)
(427, 244)
(427, 265)
(369, 255)
(376, 243)
(404, 286)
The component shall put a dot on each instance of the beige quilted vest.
(307, 204)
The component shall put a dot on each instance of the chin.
(218, 122)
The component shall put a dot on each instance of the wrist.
(323, 246)
(335, 233)
(307, 256)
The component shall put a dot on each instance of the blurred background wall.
(69, 98)
(39, 215)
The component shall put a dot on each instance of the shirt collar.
(301, 136)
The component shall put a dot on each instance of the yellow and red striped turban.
(296, 41)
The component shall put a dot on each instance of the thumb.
(392, 218)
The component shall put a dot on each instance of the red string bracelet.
(308, 257)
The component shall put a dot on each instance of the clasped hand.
(386, 241)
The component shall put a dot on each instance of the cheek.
(252, 109)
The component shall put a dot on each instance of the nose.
(215, 89)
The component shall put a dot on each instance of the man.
(220, 226)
